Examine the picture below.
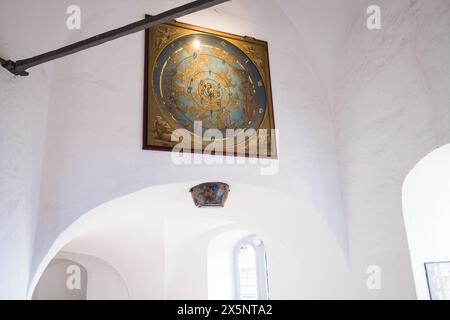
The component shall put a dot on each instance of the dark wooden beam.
(20, 67)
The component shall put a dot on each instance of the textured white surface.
(159, 246)
(93, 151)
(426, 204)
(104, 282)
(392, 108)
(387, 108)
(23, 111)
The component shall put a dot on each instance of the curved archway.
(154, 242)
(79, 176)
(75, 276)
(63, 279)
(426, 201)
(221, 278)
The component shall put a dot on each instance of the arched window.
(251, 269)
(427, 220)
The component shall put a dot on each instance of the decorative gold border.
(256, 51)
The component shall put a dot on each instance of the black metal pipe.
(19, 67)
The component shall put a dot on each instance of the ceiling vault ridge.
(20, 67)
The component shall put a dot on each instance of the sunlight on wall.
(220, 265)
(426, 209)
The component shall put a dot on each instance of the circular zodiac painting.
(202, 77)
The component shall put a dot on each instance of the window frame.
(427, 265)
(261, 267)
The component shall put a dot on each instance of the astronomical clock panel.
(204, 86)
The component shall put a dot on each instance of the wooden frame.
(157, 41)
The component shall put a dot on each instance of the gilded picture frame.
(223, 80)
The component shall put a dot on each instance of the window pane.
(247, 273)
(438, 276)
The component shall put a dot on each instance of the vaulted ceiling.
(320, 25)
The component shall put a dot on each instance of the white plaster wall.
(25, 27)
(426, 204)
(159, 246)
(99, 280)
(130, 240)
(104, 282)
(304, 259)
(23, 113)
(221, 264)
(23, 110)
(392, 108)
(53, 282)
(323, 26)
(93, 150)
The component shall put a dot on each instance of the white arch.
(148, 234)
(426, 205)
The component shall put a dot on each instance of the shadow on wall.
(73, 276)
(426, 205)
(63, 279)
(159, 246)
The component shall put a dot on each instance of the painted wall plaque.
(222, 81)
